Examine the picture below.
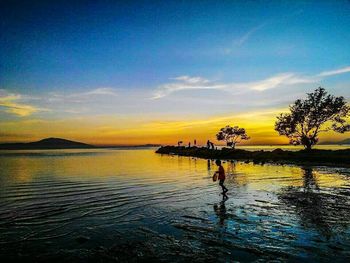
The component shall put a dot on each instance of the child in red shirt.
(221, 177)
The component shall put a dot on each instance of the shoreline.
(333, 158)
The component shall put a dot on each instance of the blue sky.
(167, 59)
(48, 45)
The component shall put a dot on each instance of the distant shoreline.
(72, 148)
(337, 158)
(5, 146)
(59, 144)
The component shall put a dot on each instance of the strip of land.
(338, 158)
(59, 143)
(49, 143)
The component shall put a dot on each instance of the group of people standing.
(210, 145)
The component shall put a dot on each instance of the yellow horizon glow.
(133, 130)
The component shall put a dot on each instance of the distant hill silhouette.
(346, 141)
(49, 143)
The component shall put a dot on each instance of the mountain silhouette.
(48, 143)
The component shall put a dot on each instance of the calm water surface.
(122, 205)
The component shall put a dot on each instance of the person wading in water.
(221, 177)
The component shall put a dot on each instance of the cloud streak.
(83, 96)
(240, 41)
(97, 92)
(184, 83)
(334, 72)
(10, 103)
(198, 83)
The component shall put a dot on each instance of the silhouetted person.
(208, 144)
(212, 145)
(195, 142)
(189, 145)
(221, 177)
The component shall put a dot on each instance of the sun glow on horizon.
(111, 130)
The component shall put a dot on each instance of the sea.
(133, 205)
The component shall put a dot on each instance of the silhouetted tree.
(319, 112)
(232, 135)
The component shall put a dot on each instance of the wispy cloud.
(10, 102)
(184, 83)
(59, 102)
(288, 78)
(241, 40)
(97, 92)
(83, 96)
(277, 80)
(18, 109)
(334, 72)
(202, 84)
(192, 80)
(248, 34)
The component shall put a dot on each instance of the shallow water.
(127, 204)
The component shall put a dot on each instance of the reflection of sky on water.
(116, 196)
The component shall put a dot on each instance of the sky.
(125, 73)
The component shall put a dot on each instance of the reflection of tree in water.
(325, 211)
(234, 178)
(310, 181)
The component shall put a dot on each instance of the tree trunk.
(308, 147)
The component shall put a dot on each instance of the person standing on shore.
(212, 145)
(221, 177)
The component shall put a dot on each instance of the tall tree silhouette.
(319, 112)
